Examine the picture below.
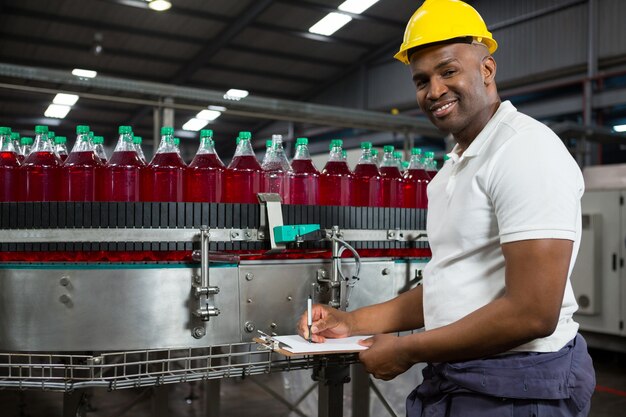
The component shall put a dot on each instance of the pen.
(309, 316)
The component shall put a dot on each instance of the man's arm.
(536, 274)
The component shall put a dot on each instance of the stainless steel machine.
(122, 295)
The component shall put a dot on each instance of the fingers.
(366, 342)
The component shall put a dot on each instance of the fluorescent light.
(236, 94)
(218, 108)
(83, 73)
(195, 124)
(208, 115)
(356, 6)
(57, 111)
(619, 128)
(330, 24)
(159, 5)
(65, 99)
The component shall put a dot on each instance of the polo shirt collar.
(477, 144)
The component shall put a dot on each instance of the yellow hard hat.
(442, 20)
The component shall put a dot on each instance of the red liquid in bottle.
(432, 174)
(41, 177)
(303, 183)
(415, 183)
(9, 176)
(80, 176)
(392, 186)
(243, 180)
(366, 189)
(21, 158)
(336, 184)
(163, 178)
(122, 177)
(63, 157)
(204, 179)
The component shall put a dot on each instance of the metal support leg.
(330, 388)
(74, 404)
(360, 391)
(212, 403)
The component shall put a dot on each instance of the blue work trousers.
(529, 384)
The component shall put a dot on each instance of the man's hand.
(327, 322)
(384, 358)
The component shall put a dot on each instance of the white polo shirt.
(516, 181)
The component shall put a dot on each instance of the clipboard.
(280, 344)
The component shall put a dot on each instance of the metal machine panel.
(587, 273)
(111, 309)
(607, 205)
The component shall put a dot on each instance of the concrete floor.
(257, 396)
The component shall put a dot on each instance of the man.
(504, 226)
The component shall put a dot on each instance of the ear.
(488, 69)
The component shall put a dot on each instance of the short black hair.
(462, 39)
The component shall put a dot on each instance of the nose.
(436, 89)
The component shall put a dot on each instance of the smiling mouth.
(442, 110)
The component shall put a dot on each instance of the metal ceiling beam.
(251, 106)
(363, 17)
(285, 55)
(264, 73)
(312, 36)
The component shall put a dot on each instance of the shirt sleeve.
(535, 187)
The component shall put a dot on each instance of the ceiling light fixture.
(356, 6)
(236, 94)
(195, 124)
(159, 5)
(65, 99)
(83, 73)
(208, 115)
(619, 128)
(58, 111)
(330, 24)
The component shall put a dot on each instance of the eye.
(449, 72)
(420, 84)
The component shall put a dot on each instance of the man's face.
(450, 84)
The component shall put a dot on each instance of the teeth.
(445, 106)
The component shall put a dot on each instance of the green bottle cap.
(26, 140)
(429, 154)
(82, 130)
(15, 136)
(446, 157)
(137, 140)
(60, 139)
(416, 151)
(344, 154)
(397, 154)
(176, 141)
(124, 130)
(206, 133)
(374, 152)
(98, 140)
(366, 145)
(405, 164)
(51, 135)
(388, 148)
(90, 134)
(268, 143)
(302, 141)
(4, 131)
(167, 130)
(245, 135)
(41, 129)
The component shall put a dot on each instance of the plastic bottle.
(367, 180)
(15, 138)
(137, 144)
(122, 175)
(204, 176)
(163, 178)
(268, 151)
(244, 176)
(415, 182)
(177, 145)
(9, 167)
(397, 156)
(26, 143)
(336, 178)
(81, 169)
(98, 143)
(405, 166)
(304, 178)
(41, 172)
(391, 179)
(276, 169)
(430, 164)
(60, 147)
(375, 157)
